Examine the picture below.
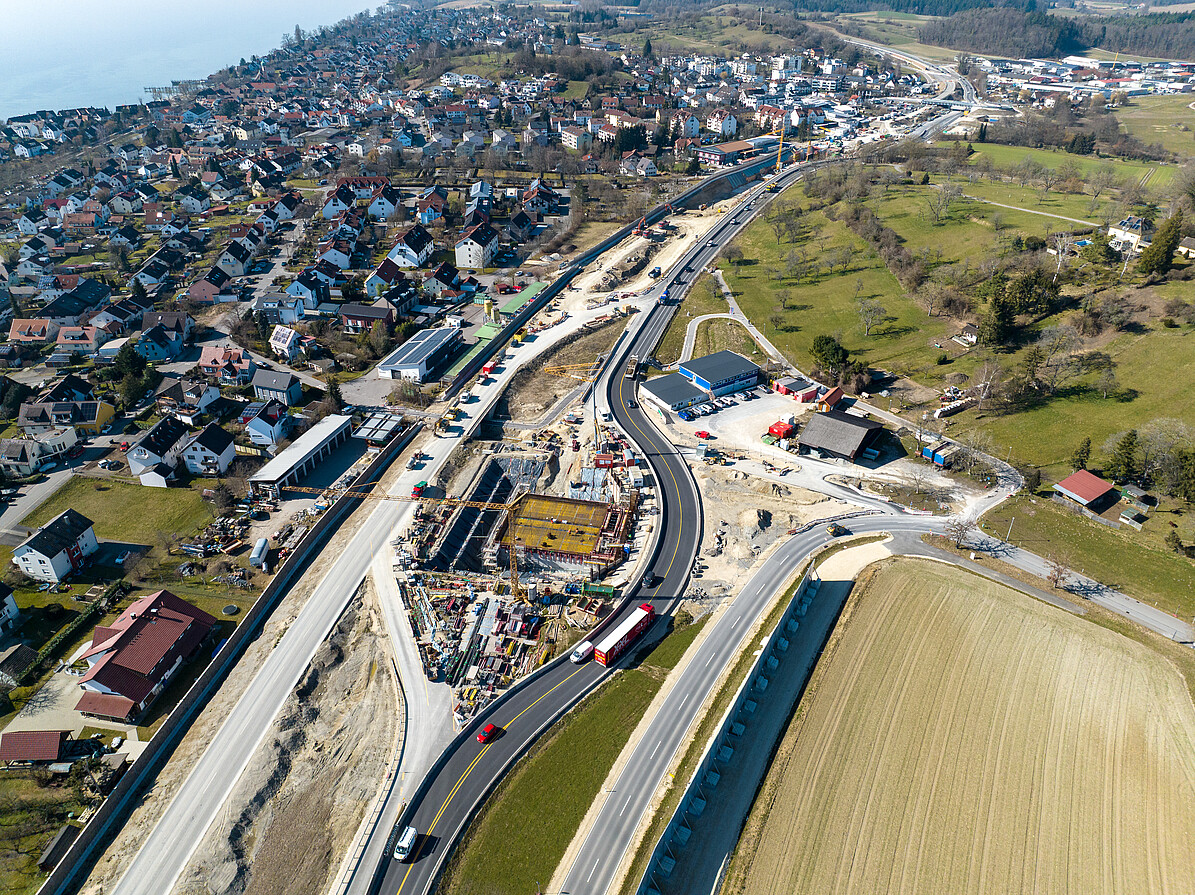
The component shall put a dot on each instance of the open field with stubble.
(959, 737)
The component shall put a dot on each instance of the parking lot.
(740, 425)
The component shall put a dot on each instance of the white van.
(406, 842)
(582, 653)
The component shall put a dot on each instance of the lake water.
(60, 54)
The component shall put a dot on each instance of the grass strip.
(521, 832)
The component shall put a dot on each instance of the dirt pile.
(295, 810)
(745, 517)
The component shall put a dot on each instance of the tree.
(940, 200)
(996, 325)
(128, 362)
(334, 397)
(1123, 464)
(734, 254)
(959, 528)
(137, 290)
(829, 354)
(379, 338)
(1174, 542)
(1159, 257)
(1108, 384)
(174, 171)
(871, 312)
(647, 53)
(1056, 572)
(1081, 455)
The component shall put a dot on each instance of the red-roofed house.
(133, 659)
(1087, 490)
(32, 746)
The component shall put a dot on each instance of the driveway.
(29, 499)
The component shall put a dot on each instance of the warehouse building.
(720, 373)
(838, 434)
(417, 357)
(672, 392)
(301, 458)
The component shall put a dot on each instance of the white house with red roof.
(133, 659)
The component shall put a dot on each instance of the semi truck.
(627, 632)
(632, 367)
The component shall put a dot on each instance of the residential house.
(339, 201)
(277, 385)
(210, 452)
(37, 331)
(266, 422)
(206, 289)
(722, 123)
(185, 399)
(540, 198)
(179, 323)
(57, 549)
(228, 365)
(279, 307)
(413, 248)
(161, 446)
(25, 456)
(81, 339)
(158, 344)
(521, 225)
(235, 259)
(386, 203)
(577, 138)
(131, 661)
(193, 200)
(356, 318)
(475, 249)
(89, 417)
(309, 287)
(285, 343)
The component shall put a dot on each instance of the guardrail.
(566, 276)
(720, 748)
(71, 870)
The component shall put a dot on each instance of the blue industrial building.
(721, 373)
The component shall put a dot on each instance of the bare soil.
(961, 737)
(532, 392)
(294, 812)
(112, 864)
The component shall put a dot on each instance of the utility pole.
(761, 17)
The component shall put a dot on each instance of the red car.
(702, 434)
(489, 732)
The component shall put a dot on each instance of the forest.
(1017, 32)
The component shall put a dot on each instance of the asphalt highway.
(605, 848)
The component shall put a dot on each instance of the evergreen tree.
(1081, 455)
(1173, 541)
(1159, 257)
(137, 289)
(1124, 463)
(647, 48)
(996, 325)
(829, 354)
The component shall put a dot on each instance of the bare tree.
(871, 312)
(1056, 572)
(959, 529)
(1102, 179)
(941, 199)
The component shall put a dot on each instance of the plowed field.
(963, 738)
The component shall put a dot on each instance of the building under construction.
(562, 534)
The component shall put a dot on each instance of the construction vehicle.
(654, 272)
(418, 490)
(632, 367)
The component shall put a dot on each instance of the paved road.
(605, 849)
(170, 844)
(469, 769)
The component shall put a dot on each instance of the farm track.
(966, 738)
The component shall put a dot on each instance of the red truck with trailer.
(624, 634)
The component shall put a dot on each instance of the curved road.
(469, 770)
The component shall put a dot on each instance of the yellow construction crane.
(371, 495)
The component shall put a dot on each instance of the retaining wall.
(72, 870)
(721, 746)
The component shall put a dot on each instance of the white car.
(120, 560)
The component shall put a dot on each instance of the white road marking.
(595, 863)
(655, 750)
(710, 659)
(682, 702)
